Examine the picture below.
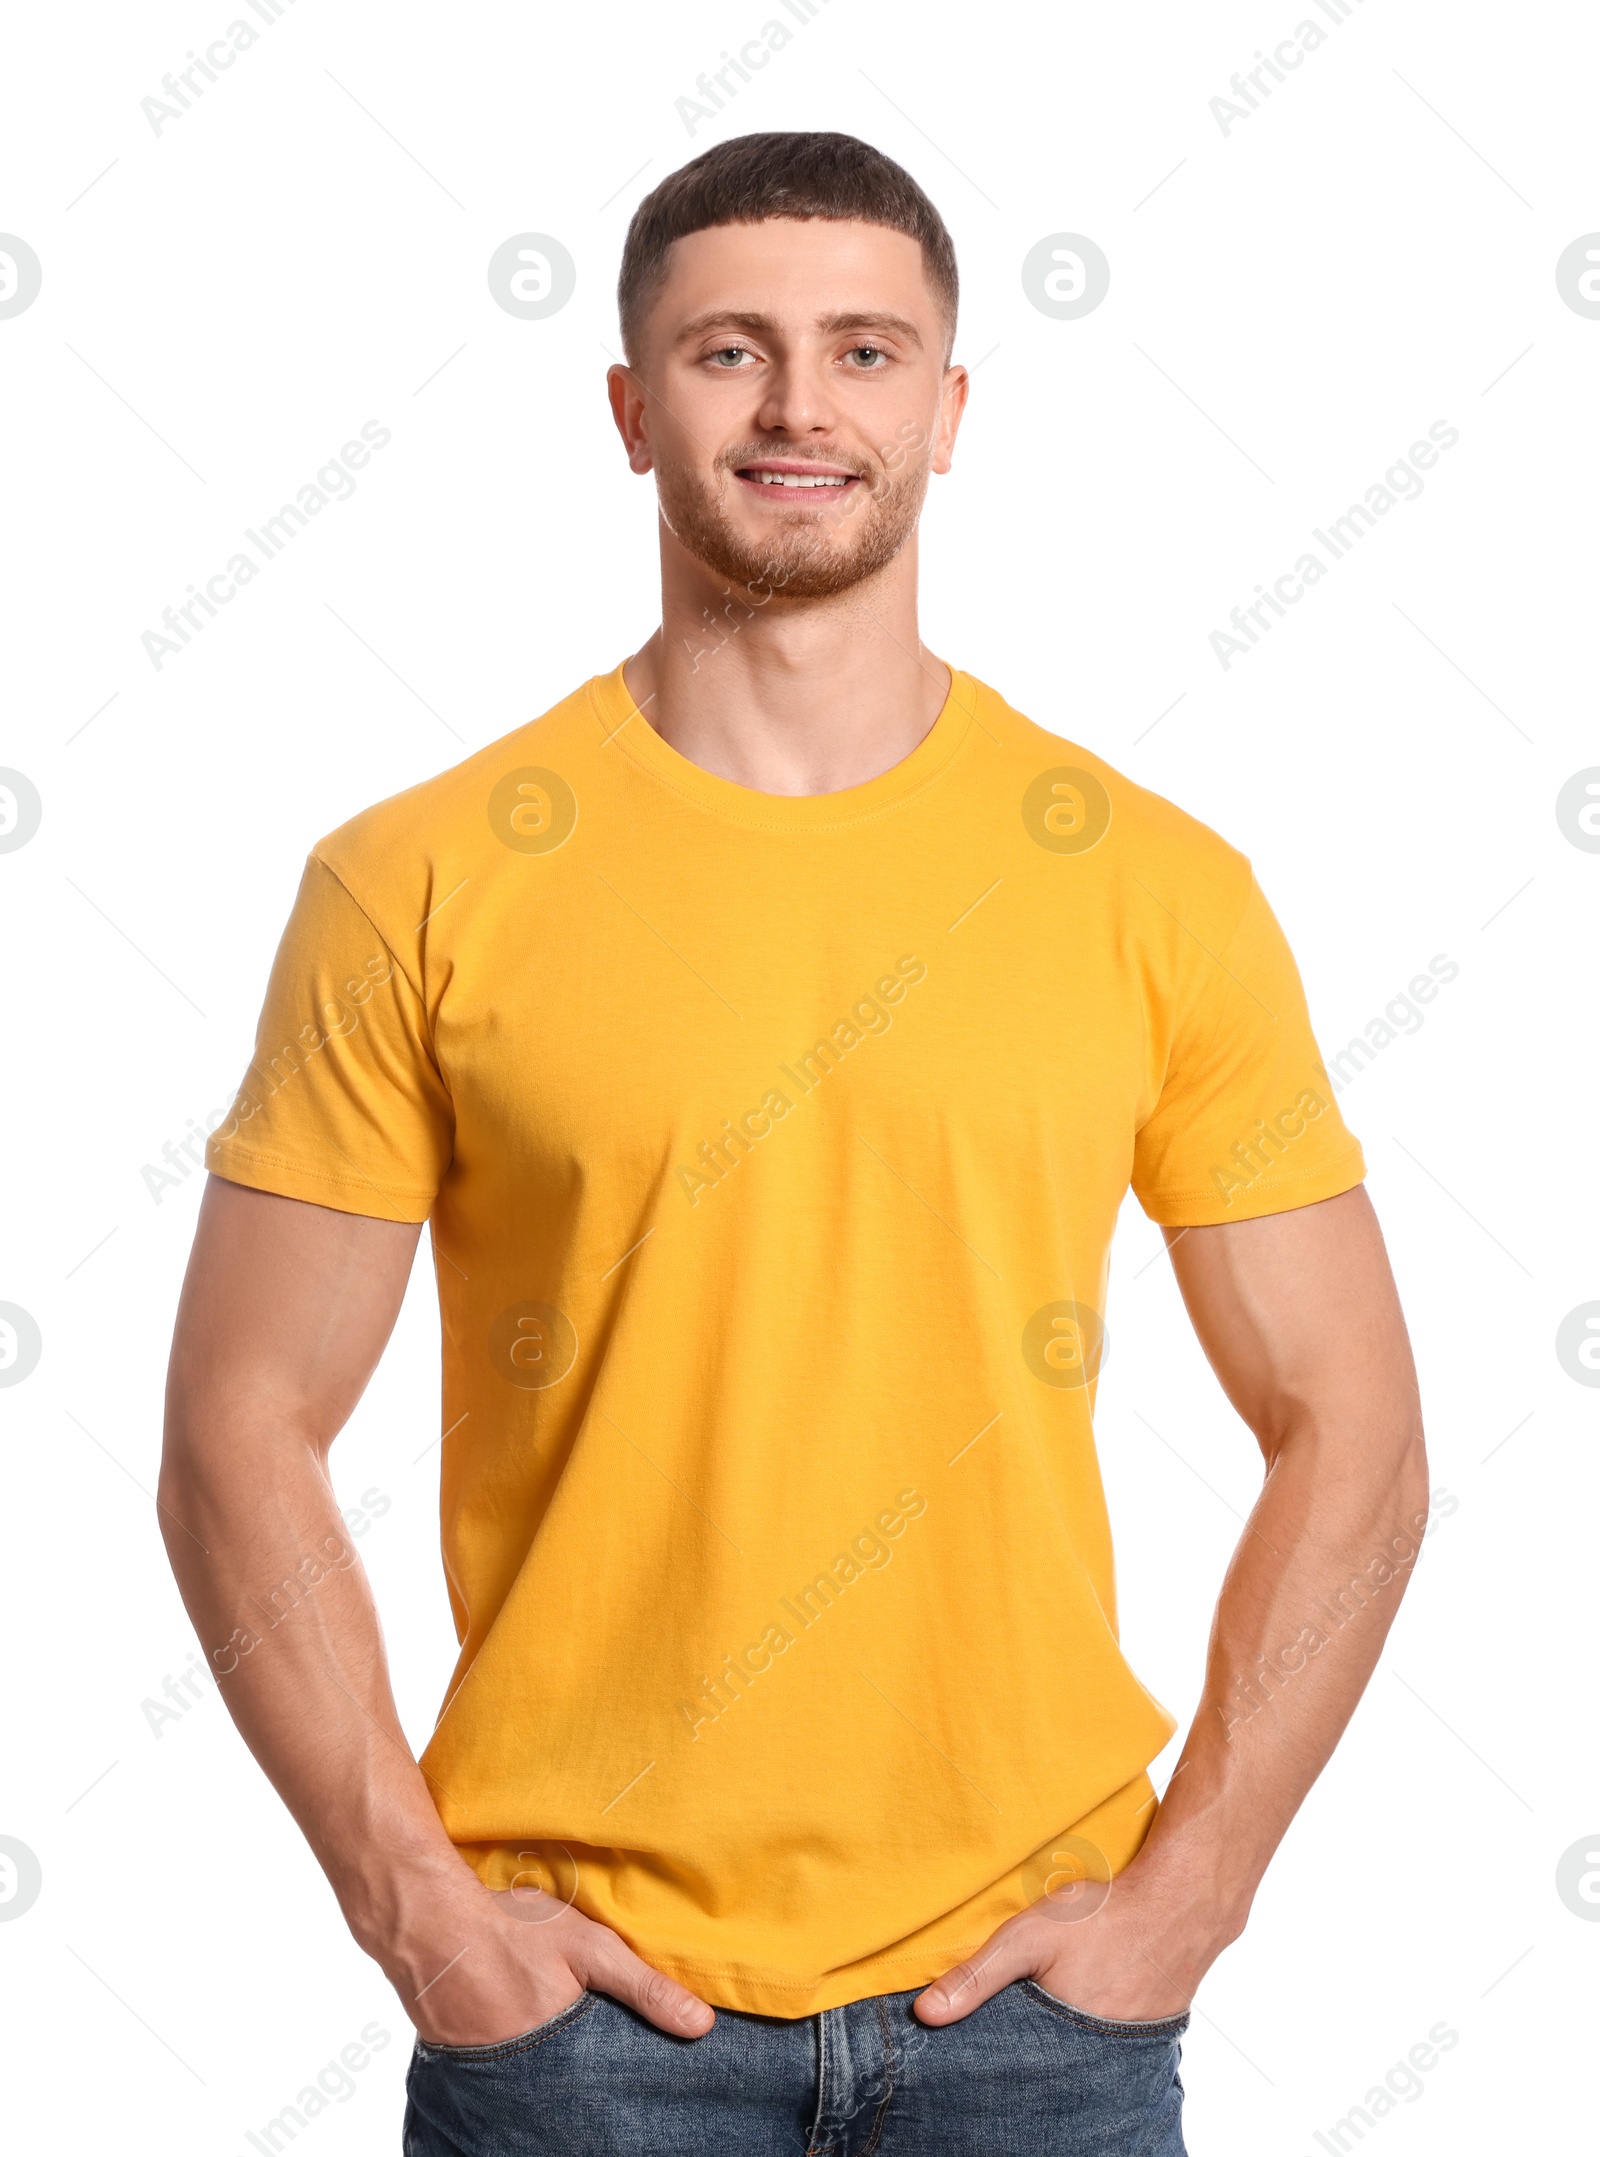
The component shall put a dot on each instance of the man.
(769, 1035)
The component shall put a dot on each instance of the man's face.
(792, 399)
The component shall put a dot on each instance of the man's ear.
(952, 403)
(628, 407)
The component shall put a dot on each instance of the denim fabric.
(1024, 2075)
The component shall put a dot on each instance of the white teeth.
(796, 479)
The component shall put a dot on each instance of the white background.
(1291, 305)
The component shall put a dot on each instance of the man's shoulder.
(1144, 833)
(453, 813)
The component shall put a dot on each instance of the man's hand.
(1131, 1951)
(472, 1968)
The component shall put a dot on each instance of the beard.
(819, 551)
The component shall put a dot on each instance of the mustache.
(744, 453)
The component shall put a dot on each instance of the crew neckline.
(628, 731)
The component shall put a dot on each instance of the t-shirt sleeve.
(343, 1103)
(1245, 1123)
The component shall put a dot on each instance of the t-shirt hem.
(1267, 1195)
(791, 1998)
(320, 1187)
(907, 1961)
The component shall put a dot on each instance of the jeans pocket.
(1161, 2031)
(508, 2047)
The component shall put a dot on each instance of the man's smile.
(791, 474)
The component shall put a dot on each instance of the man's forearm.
(1310, 1594)
(280, 1601)
(285, 1312)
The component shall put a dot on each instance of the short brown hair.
(779, 175)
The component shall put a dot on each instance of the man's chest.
(671, 1024)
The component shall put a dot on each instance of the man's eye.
(729, 356)
(866, 356)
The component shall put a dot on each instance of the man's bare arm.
(285, 1311)
(1299, 1318)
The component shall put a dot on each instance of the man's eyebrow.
(897, 325)
(726, 318)
(760, 325)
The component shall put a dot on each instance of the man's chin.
(815, 573)
(816, 555)
(791, 566)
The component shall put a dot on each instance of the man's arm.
(1299, 1317)
(285, 1311)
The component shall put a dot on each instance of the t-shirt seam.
(753, 1975)
(1222, 960)
(1222, 1001)
(232, 1147)
(323, 862)
(1261, 1183)
(415, 988)
(774, 823)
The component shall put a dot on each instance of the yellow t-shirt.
(772, 1148)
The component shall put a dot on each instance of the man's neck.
(788, 696)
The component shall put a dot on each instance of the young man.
(769, 1034)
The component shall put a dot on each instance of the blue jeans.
(1024, 2075)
